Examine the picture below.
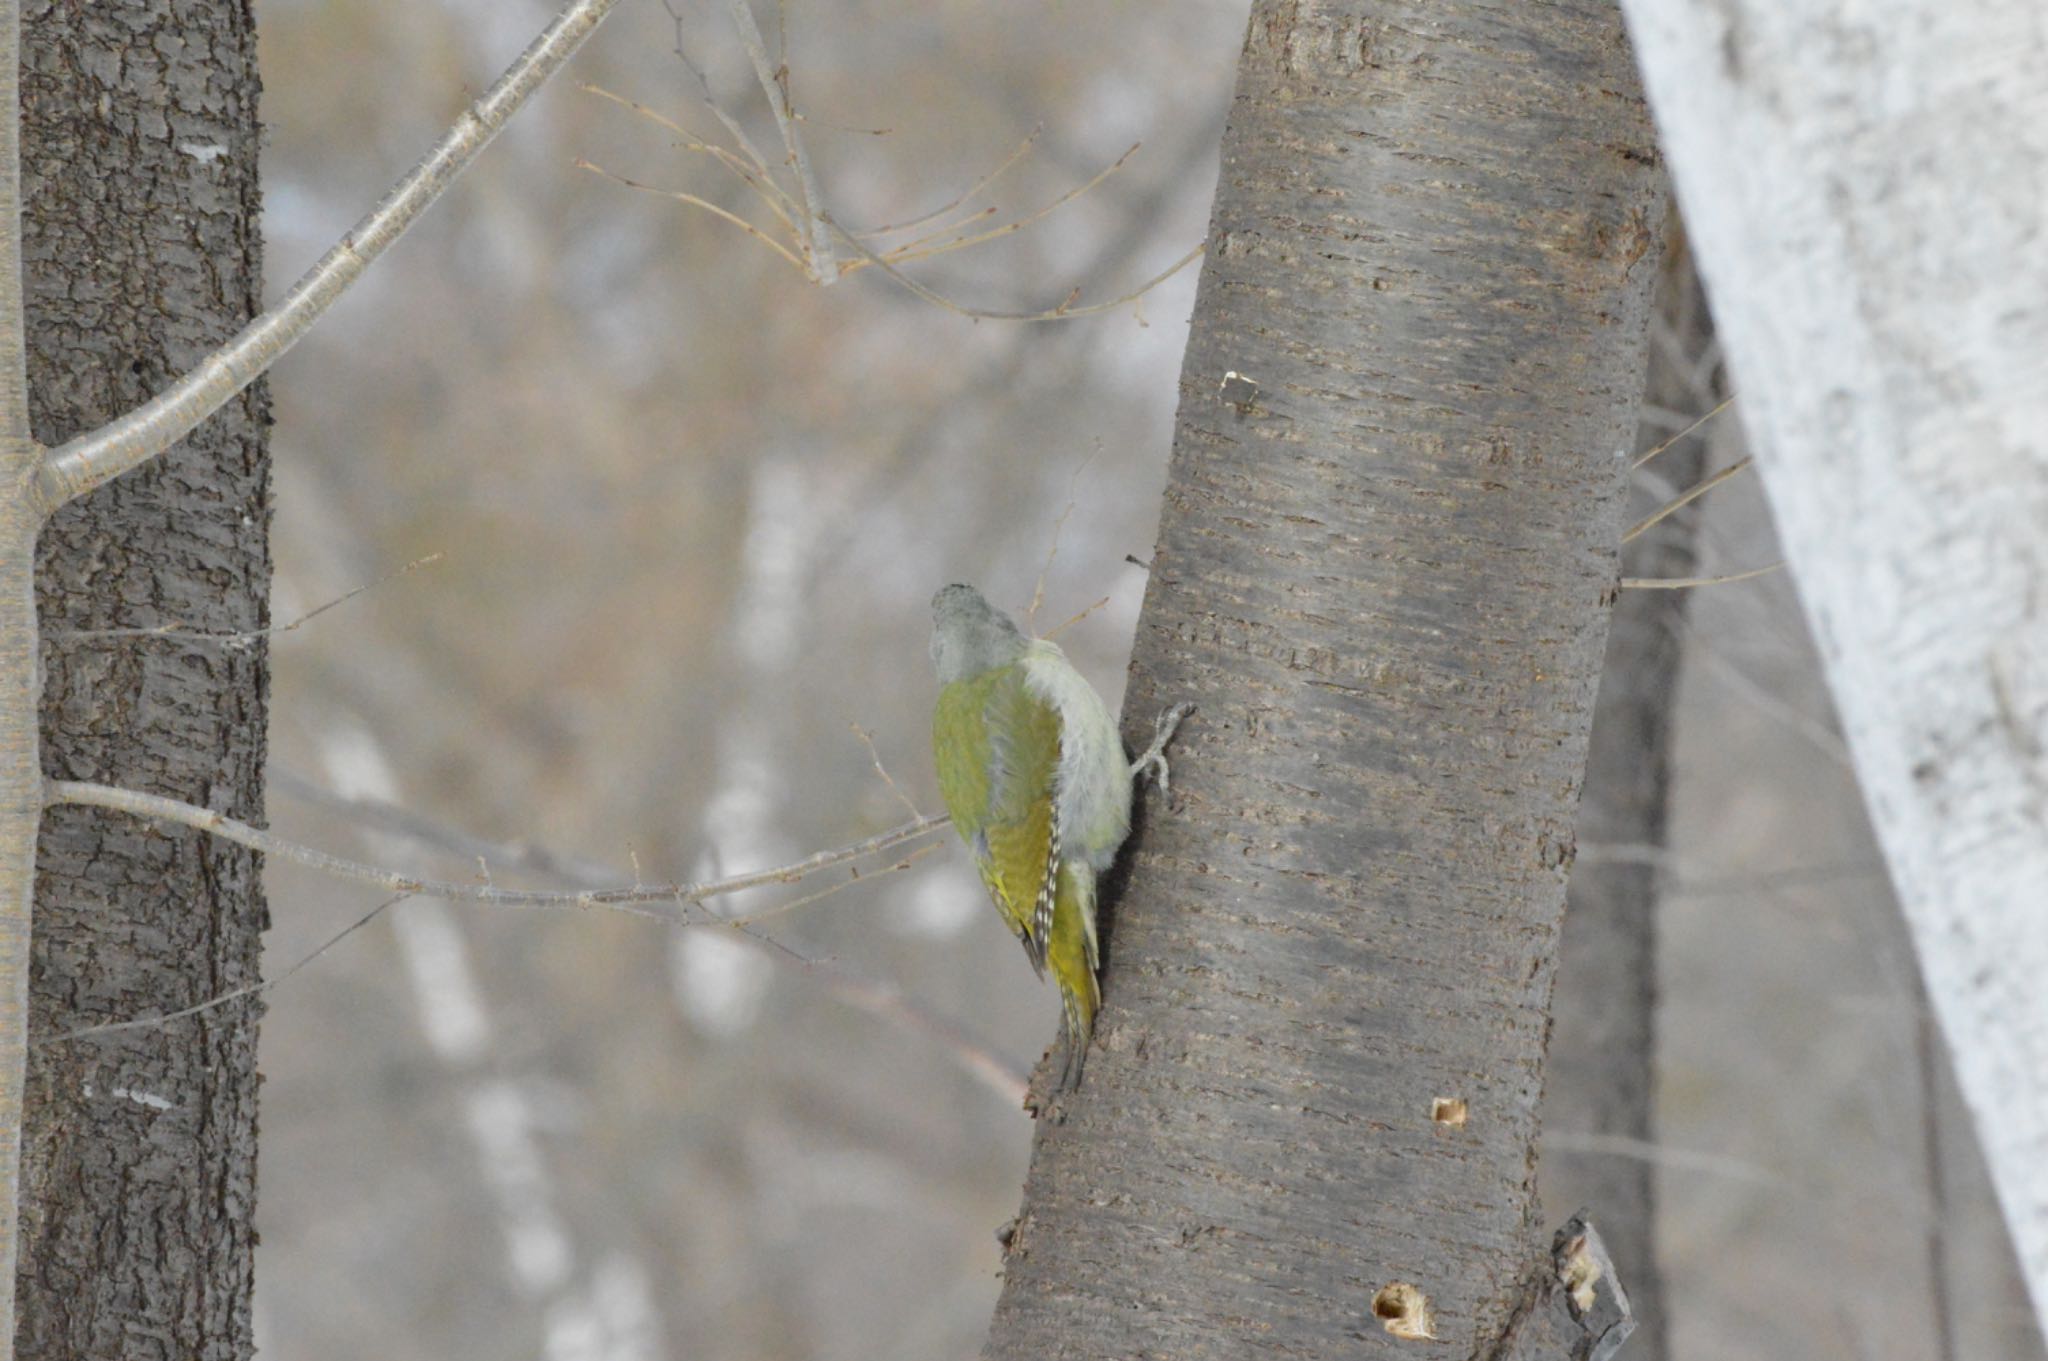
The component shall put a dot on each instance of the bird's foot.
(1152, 761)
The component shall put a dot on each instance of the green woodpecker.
(1033, 772)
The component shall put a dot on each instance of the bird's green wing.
(998, 748)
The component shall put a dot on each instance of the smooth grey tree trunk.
(1603, 1044)
(1384, 575)
(142, 250)
(1863, 186)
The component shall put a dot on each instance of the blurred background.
(685, 510)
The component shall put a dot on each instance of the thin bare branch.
(906, 254)
(428, 833)
(999, 1075)
(946, 209)
(811, 227)
(904, 249)
(1685, 498)
(235, 994)
(77, 467)
(1069, 623)
(936, 242)
(874, 756)
(1646, 457)
(873, 996)
(896, 866)
(242, 638)
(1663, 1155)
(748, 171)
(1052, 549)
(726, 120)
(1766, 699)
(662, 902)
(681, 197)
(1686, 583)
(775, 86)
(1065, 311)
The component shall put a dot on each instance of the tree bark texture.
(1386, 554)
(142, 251)
(1603, 1044)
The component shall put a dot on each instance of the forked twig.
(1002, 1077)
(944, 210)
(1064, 311)
(875, 757)
(775, 86)
(908, 253)
(663, 902)
(812, 227)
(680, 196)
(748, 171)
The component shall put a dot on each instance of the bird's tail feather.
(1072, 958)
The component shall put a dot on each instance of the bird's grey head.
(969, 635)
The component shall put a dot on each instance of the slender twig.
(1686, 878)
(1766, 699)
(809, 250)
(775, 87)
(875, 757)
(241, 638)
(663, 902)
(681, 196)
(84, 463)
(1063, 312)
(389, 818)
(748, 171)
(1683, 583)
(904, 249)
(739, 133)
(236, 994)
(1052, 548)
(1685, 498)
(896, 866)
(1058, 629)
(1662, 1155)
(1005, 1079)
(998, 1074)
(1652, 453)
(946, 209)
(873, 996)
(1019, 224)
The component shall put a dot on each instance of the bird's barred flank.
(1048, 887)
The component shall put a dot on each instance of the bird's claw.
(1152, 761)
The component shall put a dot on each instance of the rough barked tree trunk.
(1603, 1048)
(1384, 577)
(142, 250)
